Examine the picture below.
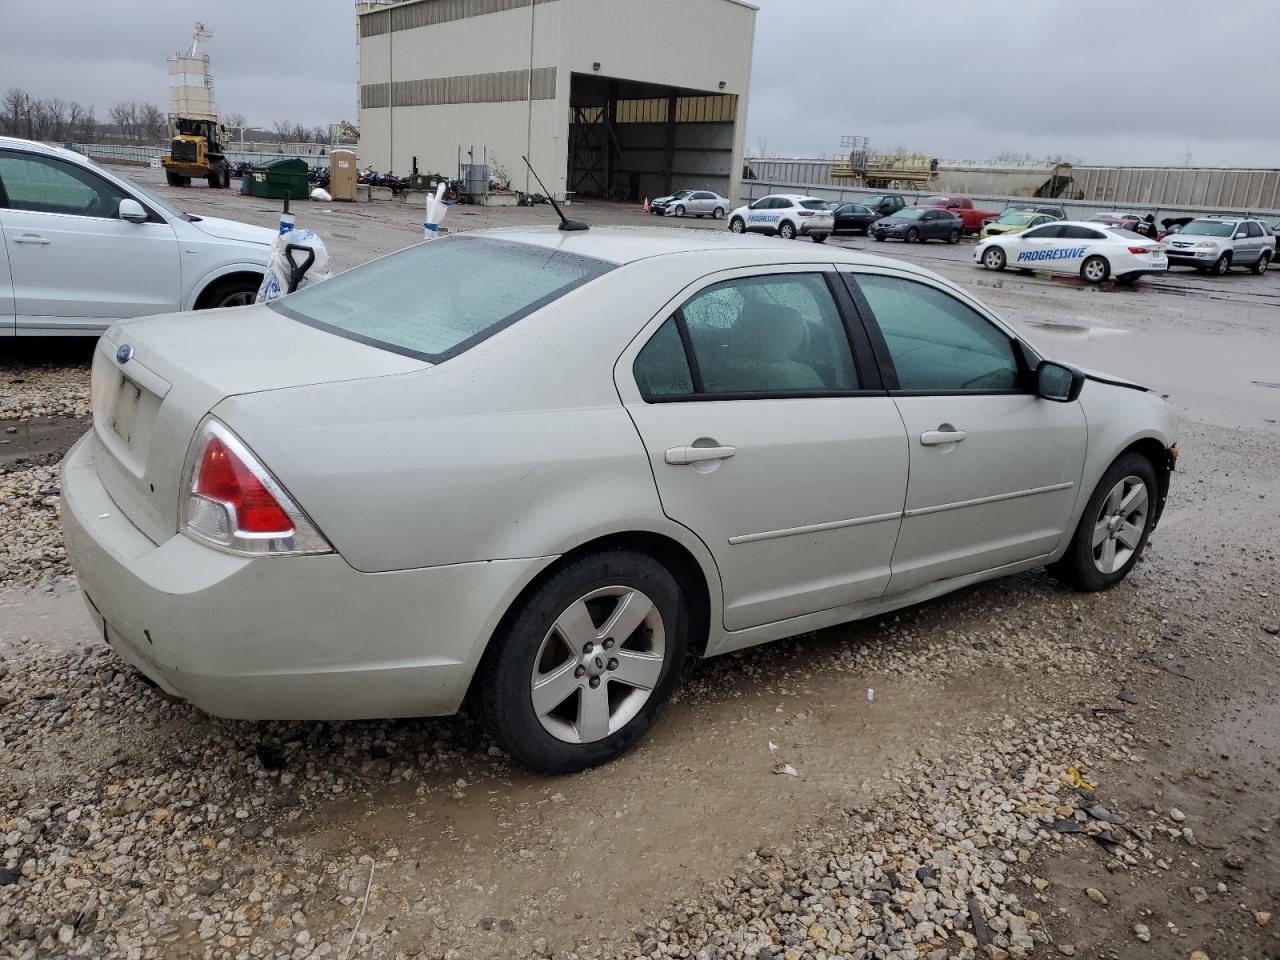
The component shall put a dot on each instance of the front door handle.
(683, 455)
(936, 438)
(33, 239)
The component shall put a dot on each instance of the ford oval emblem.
(124, 353)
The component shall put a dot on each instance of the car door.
(75, 265)
(1028, 250)
(770, 440)
(994, 469)
(761, 215)
(701, 202)
(7, 327)
(1248, 244)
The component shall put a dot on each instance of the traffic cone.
(646, 205)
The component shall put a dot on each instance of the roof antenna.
(565, 222)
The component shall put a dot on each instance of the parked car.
(918, 224)
(698, 203)
(552, 519)
(1014, 221)
(1090, 250)
(1216, 244)
(884, 204)
(1123, 221)
(787, 215)
(962, 207)
(84, 246)
(854, 218)
(1058, 213)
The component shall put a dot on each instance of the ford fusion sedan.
(786, 215)
(81, 247)
(693, 203)
(918, 224)
(1092, 251)
(540, 470)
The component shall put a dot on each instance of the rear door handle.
(936, 438)
(682, 455)
(33, 239)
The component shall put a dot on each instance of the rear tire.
(541, 638)
(1095, 270)
(818, 237)
(1097, 559)
(953, 237)
(1260, 267)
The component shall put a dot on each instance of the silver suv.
(1216, 244)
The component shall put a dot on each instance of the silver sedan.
(543, 468)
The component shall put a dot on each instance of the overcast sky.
(961, 79)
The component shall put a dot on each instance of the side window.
(1255, 230)
(49, 185)
(1050, 232)
(661, 368)
(702, 196)
(936, 342)
(777, 334)
(1081, 233)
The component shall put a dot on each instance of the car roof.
(17, 143)
(623, 245)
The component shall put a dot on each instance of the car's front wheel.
(1222, 265)
(1114, 527)
(994, 259)
(913, 235)
(582, 667)
(237, 291)
(679, 210)
(736, 225)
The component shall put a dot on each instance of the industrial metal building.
(609, 98)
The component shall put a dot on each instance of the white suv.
(789, 215)
(81, 247)
(1216, 244)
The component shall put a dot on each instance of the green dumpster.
(279, 179)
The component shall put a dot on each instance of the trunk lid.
(155, 379)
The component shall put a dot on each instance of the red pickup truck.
(963, 208)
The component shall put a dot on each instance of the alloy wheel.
(598, 664)
(1118, 529)
(241, 298)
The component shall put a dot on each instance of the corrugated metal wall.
(1233, 189)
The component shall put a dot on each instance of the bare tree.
(1188, 157)
(152, 123)
(234, 121)
(282, 129)
(124, 115)
(82, 127)
(320, 134)
(18, 108)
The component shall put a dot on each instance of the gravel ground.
(988, 799)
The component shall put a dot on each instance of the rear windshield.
(814, 204)
(1208, 228)
(435, 300)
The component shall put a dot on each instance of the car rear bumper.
(808, 227)
(280, 637)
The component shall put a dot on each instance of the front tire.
(736, 225)
(1222, 265)
(679, 210)
(172, 178)
(994, 259)
(582, 667)
(787, 231)
(1114, 527)
(913, 235)
(1095, 270)
(232, 292)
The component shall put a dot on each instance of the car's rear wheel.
(736, 225)
(232, 292)
(913, 235)
(717, 213)
(1260, 267)
(787, 231)
(582, 667)
(1114, 527)
(679, 210)
(1095, 270)
(953, 237)
(994, 259)
(1222, 265)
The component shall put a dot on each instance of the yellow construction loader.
(195, 151)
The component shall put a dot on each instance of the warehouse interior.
(629, 140)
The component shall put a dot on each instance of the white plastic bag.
(321, 194)
(276, 283)
(436, 209)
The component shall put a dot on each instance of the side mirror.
(132, 211)
(1058, 382)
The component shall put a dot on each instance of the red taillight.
(1142, 250)
(805, 213)
(222, 477)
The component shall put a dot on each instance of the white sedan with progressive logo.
(1089, 250)
(789, 215)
